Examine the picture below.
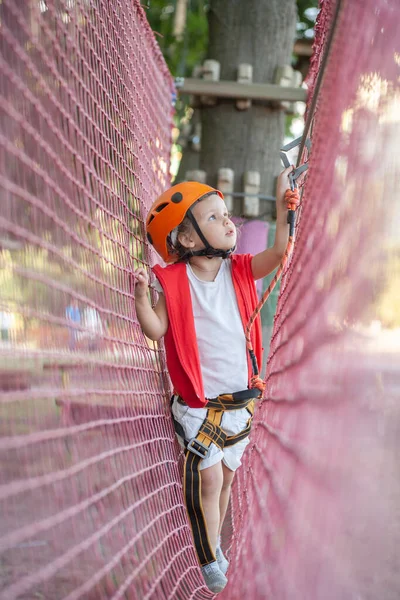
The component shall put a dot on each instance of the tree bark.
(261, 33)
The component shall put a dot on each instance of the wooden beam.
(232, 89)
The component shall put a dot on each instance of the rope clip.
(293, 176)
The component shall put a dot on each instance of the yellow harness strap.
(196, 450)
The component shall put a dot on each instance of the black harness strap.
(234, 401)
(197, 449)
(208, 250)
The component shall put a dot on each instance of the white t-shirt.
(219, 331)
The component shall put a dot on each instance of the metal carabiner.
(293, 176)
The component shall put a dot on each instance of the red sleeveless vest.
(180, 340)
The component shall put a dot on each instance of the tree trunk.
(261, 33)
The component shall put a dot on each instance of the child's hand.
(282, 185)
(141, 282)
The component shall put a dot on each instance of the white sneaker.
(214, 578)
(223, 563)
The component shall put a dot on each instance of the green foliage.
(182, 55)
(307, 11)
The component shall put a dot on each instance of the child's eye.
(212, 217)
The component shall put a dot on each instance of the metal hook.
(293, 176)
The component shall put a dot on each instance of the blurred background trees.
(267, 34)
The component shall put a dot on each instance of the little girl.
(207, 296)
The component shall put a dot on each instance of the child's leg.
(228, 476)
(211, 486)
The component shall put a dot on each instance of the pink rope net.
(316, 505)
(90, 491)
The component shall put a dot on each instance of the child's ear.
(186, 240)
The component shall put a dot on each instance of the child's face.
(213, 219)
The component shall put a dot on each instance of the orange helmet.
(169, 210)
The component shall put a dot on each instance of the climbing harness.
(210, 431)
(165, 215)
(197, 449)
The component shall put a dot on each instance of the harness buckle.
(197, 447)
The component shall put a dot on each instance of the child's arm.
(265, 262)
(154, 322)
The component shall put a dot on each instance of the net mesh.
(90, 494)
(315, 510)
(90, 491)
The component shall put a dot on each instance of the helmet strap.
(208, 250)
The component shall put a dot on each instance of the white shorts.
(233, 422)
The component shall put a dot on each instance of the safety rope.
(292, 200)
(292, 195)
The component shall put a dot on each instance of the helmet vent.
(176, 198)
(160, 208)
